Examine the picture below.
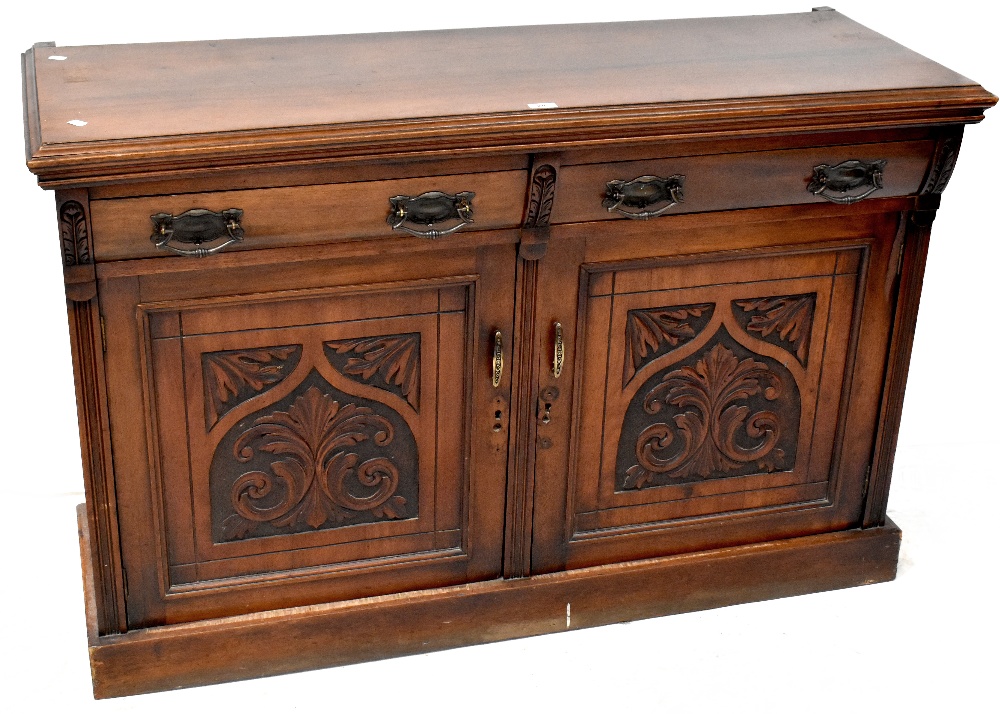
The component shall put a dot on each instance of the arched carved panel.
(654, 332)
(233, 376)
(723, 411)
(785, 321)
(317, 459)
(390, 362)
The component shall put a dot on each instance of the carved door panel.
(710, 400)
(323, 444)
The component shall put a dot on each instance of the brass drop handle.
(497, 358)
(835, 182)
(641, 194)
(197, 227)
(558, 352)
(430, 209)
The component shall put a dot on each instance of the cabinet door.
(330, 433)
(718, 397)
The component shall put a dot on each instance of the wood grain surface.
(306, 97)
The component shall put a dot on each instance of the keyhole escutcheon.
(545, 400)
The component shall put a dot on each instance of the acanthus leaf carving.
(73, 234)
(782, 320)
(717, 414)
(541, 197)
(233, 376)
(653, 332)
(315, 482)
(393, 359)
(945, 158)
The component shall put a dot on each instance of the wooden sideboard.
(397, 342)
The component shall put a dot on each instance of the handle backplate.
(197, 227)
(643, 193)
(847, 182)
(430, 209)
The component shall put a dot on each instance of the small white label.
(57, 57)
(77, 122)
(543, 105)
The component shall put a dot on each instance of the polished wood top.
(389, 80)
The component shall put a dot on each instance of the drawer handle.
(643, 192)
(430, 209)
(829, 181)
(196, 227)
(497, 358)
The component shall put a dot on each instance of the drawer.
(303, 215)
(742, 180)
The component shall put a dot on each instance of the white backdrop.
(924, 642)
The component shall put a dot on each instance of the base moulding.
(317, 636)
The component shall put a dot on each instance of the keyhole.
(497, 420)
(545, 401)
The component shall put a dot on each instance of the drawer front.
(744, 180)
(303, 215)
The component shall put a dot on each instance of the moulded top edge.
(122, 92)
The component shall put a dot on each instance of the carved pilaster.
(943, 163)
(86, 340)
(98, 476)
(541, 198)
(76, 244)
(917, 226)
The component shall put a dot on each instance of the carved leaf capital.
(73, 234)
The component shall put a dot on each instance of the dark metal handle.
(430, 209)
(643, 192)
(835, 183)
(196, 227)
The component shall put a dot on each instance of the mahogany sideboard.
(397, 342)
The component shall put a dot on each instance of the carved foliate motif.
(317, 459)
(390, 362)
(785, 321)
(234, 376)
(73, 234)
(541, 198)
(654, 332)
(945, 158)
(724, 411)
